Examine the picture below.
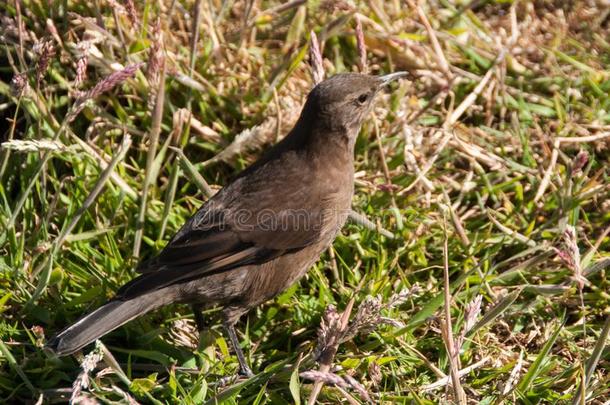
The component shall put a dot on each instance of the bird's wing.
(252, 221)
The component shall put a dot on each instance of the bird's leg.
(243, 365)
(198, 317)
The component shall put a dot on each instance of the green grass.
(500, 181)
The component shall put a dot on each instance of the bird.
(261, 232)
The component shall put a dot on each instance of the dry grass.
(488, 167)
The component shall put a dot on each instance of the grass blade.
(592, 362)
(529, 377)
(496, 311)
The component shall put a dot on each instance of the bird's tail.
(103, 320)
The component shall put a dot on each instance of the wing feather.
(230, 230)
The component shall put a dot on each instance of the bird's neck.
(323, 149)
(336, 146)
(330, 143)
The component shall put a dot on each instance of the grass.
(488, 167)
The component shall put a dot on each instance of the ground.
(480, 278)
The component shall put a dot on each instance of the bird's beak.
(385, 79)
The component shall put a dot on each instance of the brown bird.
(261, 232)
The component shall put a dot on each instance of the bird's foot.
(244, 371)
(231, 379)
(228, 380)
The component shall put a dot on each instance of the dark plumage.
(262, 231)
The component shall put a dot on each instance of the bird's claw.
(228, 380)
(245, 372)
(240, 375)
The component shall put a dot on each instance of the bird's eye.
(362, 98)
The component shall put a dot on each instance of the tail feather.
(103, 320)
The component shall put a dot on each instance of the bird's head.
(341, 103)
